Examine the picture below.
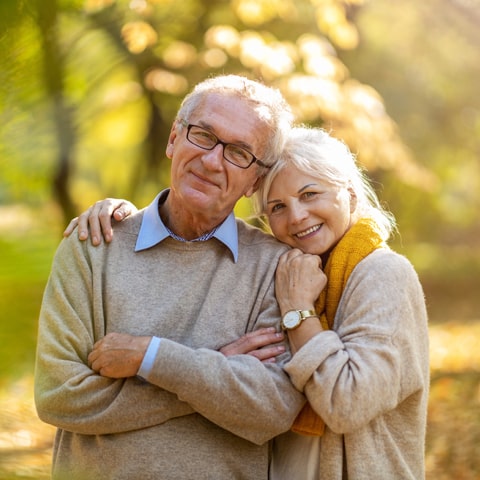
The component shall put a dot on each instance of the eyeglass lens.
(207, 140)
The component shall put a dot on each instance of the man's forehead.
(216, 103)
(231, 118)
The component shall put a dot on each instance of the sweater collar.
(154, 231)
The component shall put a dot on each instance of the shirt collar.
(153, 230)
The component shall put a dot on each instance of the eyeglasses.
(234, 154)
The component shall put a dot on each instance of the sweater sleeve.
(377, 353)
(68, 394)
(253, 400)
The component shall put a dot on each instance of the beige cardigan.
(368, 378)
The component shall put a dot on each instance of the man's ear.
(171, 140)
(255, 186)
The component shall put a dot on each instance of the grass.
(27, 251)
(453, 437)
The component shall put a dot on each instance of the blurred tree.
(115, 71)
(53, 77)
(424, 60)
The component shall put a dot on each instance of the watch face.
(291, 320)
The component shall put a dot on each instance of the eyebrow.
(306, 186)
(299, 191)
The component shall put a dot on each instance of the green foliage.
(89, 88)
(423, 59)
(109, 77)
(23, 272)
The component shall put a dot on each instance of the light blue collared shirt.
(153, 231)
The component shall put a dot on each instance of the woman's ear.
(353, 199)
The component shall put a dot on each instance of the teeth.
(308, 231)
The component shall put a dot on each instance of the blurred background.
(88, 91)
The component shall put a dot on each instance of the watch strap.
(307, 314)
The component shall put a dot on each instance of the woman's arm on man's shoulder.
(99, 218)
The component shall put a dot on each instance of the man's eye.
(202, 138)
(238, 153)
(205, 136)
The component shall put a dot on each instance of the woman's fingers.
(96, 221)
(262, 344)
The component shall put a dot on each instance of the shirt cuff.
(149, 358)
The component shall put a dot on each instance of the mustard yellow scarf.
(361, 240)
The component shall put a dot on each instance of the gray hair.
(267, 102)
(315, 152)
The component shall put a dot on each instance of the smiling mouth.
(204, 179)
(310, 230)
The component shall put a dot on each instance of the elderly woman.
(355, 317)
(361, 356)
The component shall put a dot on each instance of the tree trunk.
(47, 11)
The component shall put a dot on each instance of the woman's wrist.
(297, 307)
(309, 328)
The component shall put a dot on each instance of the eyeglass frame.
(224, 145)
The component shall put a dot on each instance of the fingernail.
(82, 235)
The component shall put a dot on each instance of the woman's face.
(308, 213)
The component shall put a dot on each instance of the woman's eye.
(308, 195)
(276, 208)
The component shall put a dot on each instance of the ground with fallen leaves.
(453, 440)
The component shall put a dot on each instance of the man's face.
(203, 180)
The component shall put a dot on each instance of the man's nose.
(214, 158)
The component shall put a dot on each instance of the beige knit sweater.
(201, 415)
(368, 378)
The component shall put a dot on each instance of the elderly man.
(128, 362)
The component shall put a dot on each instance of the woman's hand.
(299, 279)
(99, 217)
(252, 343)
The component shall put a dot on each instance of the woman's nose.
(298, 213)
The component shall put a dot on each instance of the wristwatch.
(294, 318)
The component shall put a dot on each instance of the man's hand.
(99, 217)
(118, 355)
(252, 343)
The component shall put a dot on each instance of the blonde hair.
(315, 152)
(267, 102)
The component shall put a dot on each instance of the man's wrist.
(149, 358)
